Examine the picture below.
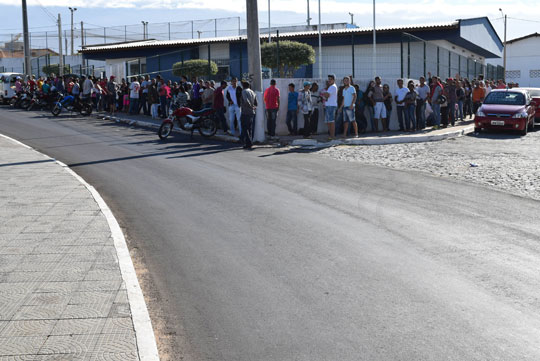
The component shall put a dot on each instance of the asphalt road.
(271, 255)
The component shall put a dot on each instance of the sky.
(523, 15)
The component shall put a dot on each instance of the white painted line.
(144, 333)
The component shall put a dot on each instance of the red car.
(506, 109)
(535, 95)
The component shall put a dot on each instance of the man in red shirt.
(271, 102)
(219, 105)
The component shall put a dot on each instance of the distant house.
(443, 49)
(522, 63)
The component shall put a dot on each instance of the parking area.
(504, 161)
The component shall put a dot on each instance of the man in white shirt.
(134, 96)
(401, 91)
(331, 105)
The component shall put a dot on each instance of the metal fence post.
(277, 53)
(209, 64)
(449, 64)
(408, 57)
(105, 35)
(352, 48)
(125, 32)
(425, 59)
(401, 55)
(169, 25)
(438, 60)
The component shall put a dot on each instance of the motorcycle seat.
(201, 112)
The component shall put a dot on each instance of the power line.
(531, 21)
(46, 11)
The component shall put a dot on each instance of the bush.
(194, 67)
(292, 55)
(55, 69)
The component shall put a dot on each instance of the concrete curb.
(144, 333)
(312, 143)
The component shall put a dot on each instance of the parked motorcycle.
(20, 100)
(42, 101)
(188, 119)
(71, 104)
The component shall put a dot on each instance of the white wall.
(217, 51)
(338, 60)
(522, 62)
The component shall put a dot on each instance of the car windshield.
(507, 98)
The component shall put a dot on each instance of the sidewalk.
(320, 140)
(66, 288)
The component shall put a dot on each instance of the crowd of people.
(347, 109)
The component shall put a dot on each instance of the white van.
(7, 86)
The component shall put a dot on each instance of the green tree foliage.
(194, 67)
(292, 55)
(55, 69)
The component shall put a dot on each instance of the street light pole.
(504, 49)
(269, 35)
(27, 54)
(352, 18)
(72, 11)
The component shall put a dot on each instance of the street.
(277, 254)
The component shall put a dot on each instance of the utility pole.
(145, 24)
(504, 49)
(269, 36)
(82, 35)
(27, 54)
(253, 45)
(60, 55)
(72, 11)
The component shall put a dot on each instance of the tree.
(194, 67)
(292, 55)
(55, 69)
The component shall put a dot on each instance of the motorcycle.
(20, 100)
(188, 119)
(69, 102)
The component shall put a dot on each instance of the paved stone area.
(62, 296)
(504, 161)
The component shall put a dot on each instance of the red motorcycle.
(188, 119)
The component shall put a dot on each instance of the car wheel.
(525, 129)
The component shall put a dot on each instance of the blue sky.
(389, 12)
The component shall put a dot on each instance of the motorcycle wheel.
(165, 130)
(12, 103)
(207, 127)
(56, 110)
(25, 103)
(86, 109)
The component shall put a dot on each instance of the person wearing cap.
(330, 95)
(347, 106)
(305, 106)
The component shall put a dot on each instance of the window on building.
(513, 74)
(534, 73)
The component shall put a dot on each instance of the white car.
(7, 86)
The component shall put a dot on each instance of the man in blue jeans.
(347, 106)
(292, 110)
(437, 90)
(331, 105)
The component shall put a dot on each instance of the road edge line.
(144, 333)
